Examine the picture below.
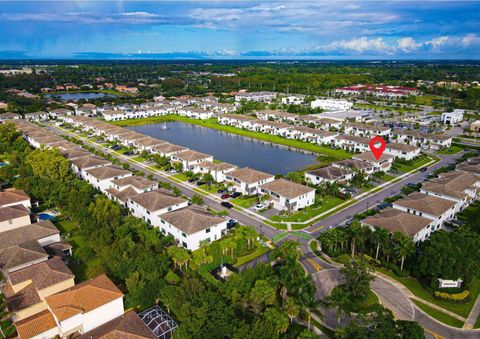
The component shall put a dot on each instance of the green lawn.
(477, 323)
(427, 99)
(419, 162)
(416, 288)
(139, 159)
(180, 176)
(322, 204)
(364, 305)
(385, 177)
(245, 201)
(260, 250)
(212, 189)
(450, 150)
(440, 316)
(65, 226)
(336, 154)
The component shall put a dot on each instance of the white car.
(259, 207)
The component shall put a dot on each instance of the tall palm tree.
(309, 302)
(292, 309)
(341, 301)
(405, 247)
(380, 236)
(357, 234)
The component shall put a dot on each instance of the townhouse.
(276, 115)
(288, 195)
(263, 96)
(74, 153)
(428, 206)
(235, 120)
(472, 165)
(129, 138)
(26, 289)
(195, 113)
(270, 127)
(150, 205)
(217, 170)
(193, 226)
(12, 197)
(247, 180)
(402, 151)
(352, 143)
(127, 187)
(167, 149)
(383, 164)
(395, 220)
(36, 116)
(460, 187)
(114, 115)
(329, 174)
(190, 158)
(331, 104)
(102, 177)
(366, 130)
(296, 99)
(423, 140)
(357, 166)
(82, 164)
(9, 116)
(148, 143)
(312, 135)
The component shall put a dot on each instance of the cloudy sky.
(241, 29)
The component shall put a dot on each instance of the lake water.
(231, 148)
(80, 95)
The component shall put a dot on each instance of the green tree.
(404, 246)
(197, 199)
(309, 302)
(178, 167)
(341, 301)
(380, 236)
(208, 179)
(291, 308)
(357, 275)
(357, 234)
(179, 255)
(279, 319)
(261, 295)
(49, 164)
(8, 135)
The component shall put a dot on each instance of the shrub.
(455, 298)
(396, 270)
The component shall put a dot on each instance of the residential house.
(329, 174)
(192, 226)
(102, 177)
(357, 166)
(383, 164)
(5, 117)
(195, 113)
(403, 151)
(190, 158)
(255, 96)
(85, 163)
(167, 149)
(293, 99)
(217, 170)
(331, 104)
(288, 195)
(453, 118)
(14, 216)
(247, 180)
(13, 197)
(235, 120)
(276, 115)
(366, 130)
(127, 187)
(352, 143)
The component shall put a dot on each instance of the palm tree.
(405, 247)
(309, 302)
(380, 236)
(248, 233)
(341, 301)
(292, 309)
(357, 234)
(230, 244)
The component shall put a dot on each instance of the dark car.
(226, 204)
(423, 169)
(231, 224)
(200, 183)
(235, 194)
(222, 191)
(383, 205)
(128, 153)
(192, 179)
(115, 147)
(225, 196)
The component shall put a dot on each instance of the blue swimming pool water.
(46, 216)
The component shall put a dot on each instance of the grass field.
(450, 150)
(323, 204)
(245, 201)
(336, 154)
(421, 161)
(440, 316)
(260, 250)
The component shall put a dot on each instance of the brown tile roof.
(168, 148)
(122, 195)
(135, 181)
(107, 172)
(191, 219)
(238, 117)
(157, 199)
(354, 138)
(453, 184)
(75, 153)
(35, 325)
(191, 155)
(43, 275)
(26, 297)
(426, 203)
(64, 145)
(128, 326)
(353, 164)
(132, 136)
(249, 175)
(20, 254)
(368, 156)
(305, 129)
(398, 221)
(215, 166)
(89, 161)
(46, 140)
(10, 196)
(13, 212)
(469, 167)
(83, 297)
(369, 127)
(274, 124)
(402, 147)
(286, 188)
(27, 233)
(330, 172)
(328, 121)
(149, 141)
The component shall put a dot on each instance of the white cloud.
(360, 45)
(407, 44)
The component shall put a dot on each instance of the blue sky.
(241, 29)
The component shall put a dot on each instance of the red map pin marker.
(377, 146)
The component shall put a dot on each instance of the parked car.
(260, 206)
(128, 153)
(231, 224)
(423, 169)
(222, 191)
(115, 147)
(383, 205)
(192, 179)
(200, 183)
(226, 204)
(235, 194)
(225, 196)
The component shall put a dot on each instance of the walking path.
(473, 316)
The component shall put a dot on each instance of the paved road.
(347, 213)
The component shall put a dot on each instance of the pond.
(80, 95)
(231, 148)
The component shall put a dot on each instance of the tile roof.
(107, 172)
(35, 325)
(13, 212)
(74, 153)
(157, 199)
(401, 147)
(469, 167)
(353, 164)
(149, 141)
(168, 148)
(128, 326)
(249, 175)
(27, 233)
(135, 181)
(330, 172)
(286, 188)
(191, 219)
(26, 297)
(84, 297)
(191, 155)
(21, 254)
(10, 196)
(122, 195)
(426, 203)
(360, 125)
(398, 221)
(215, 166)
(89, 161)
(368, 156)
(453, 184)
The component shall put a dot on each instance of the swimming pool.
(46, 216)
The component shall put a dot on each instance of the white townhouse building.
(147, 144)
(149, 206)
(296, 99)
(82, 164)
(288, 195)
(192, 226)
(127, 187)
(383, 164)
(329, 174)
(235, 120)
(328, 123)
(352, 143)
(453, 118)
(12, 197)
(102, 177)
(312, 135)
(356, 166)
(129, 138)
(423, 140)
(366, 130)
(394, 220)
(403, 151)
(276, 115)
(36, 116)
(256, 96)
(272, 127)
(114, 115)
(217, 170)
(195, 113)
(167, 149)
(460, 187)
(428, 206)
(247, 181)
(332, 104)
(190, 158)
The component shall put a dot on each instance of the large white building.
(288, 195)
(102, 177)
(332, 104)
(453, 118)
(247, 181)
(255, 96)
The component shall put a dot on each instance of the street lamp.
(367, 205)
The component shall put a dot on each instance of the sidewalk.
(473, 316)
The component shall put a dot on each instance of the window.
(169, 209)
(207, 230)
(184, 235)
(10, 221)
(184, 244)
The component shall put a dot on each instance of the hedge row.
(455, 298)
